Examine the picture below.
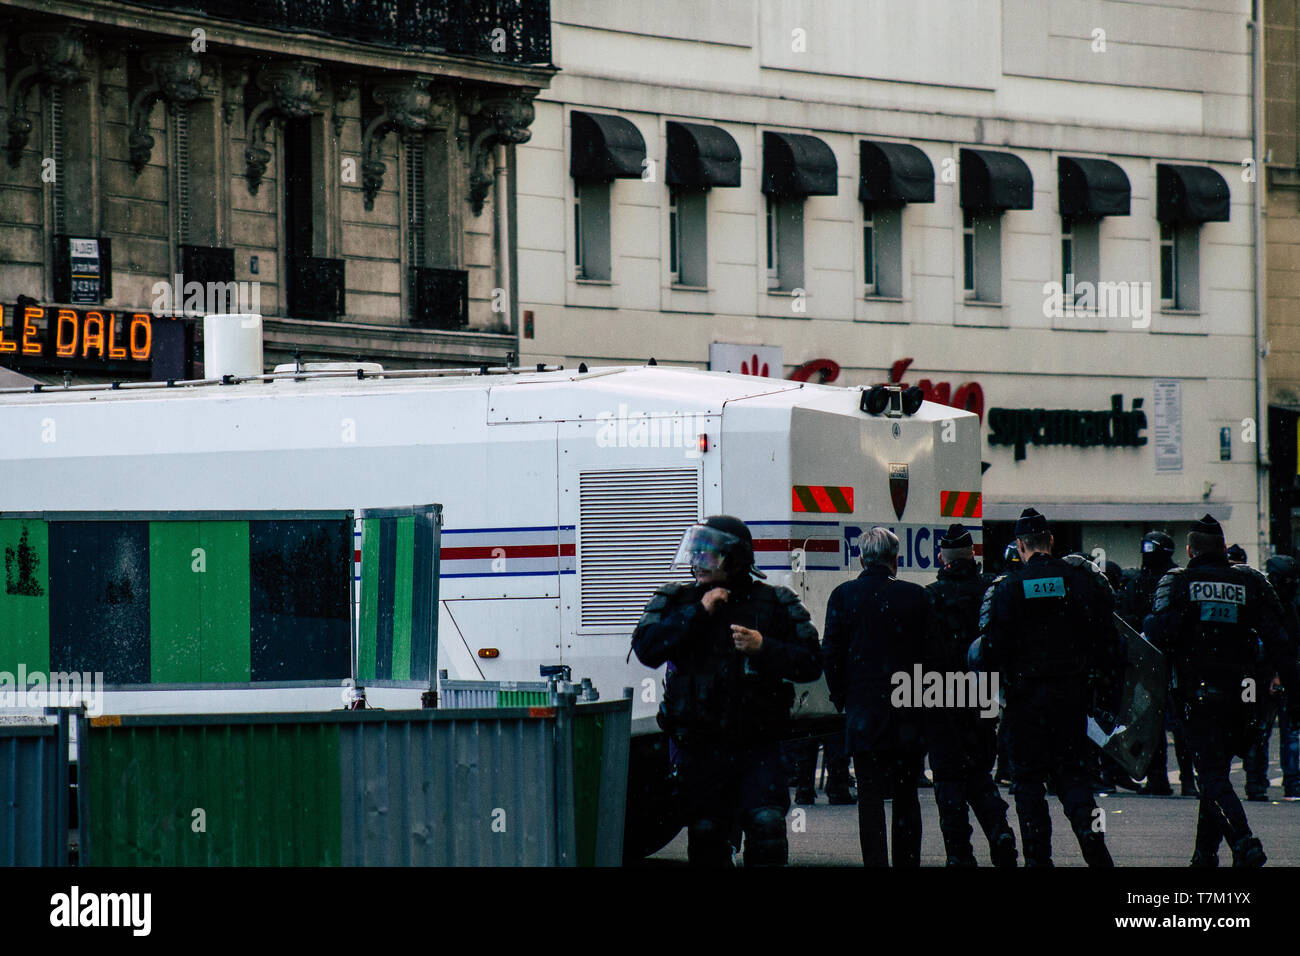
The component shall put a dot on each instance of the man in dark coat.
(1284, 575)
(876, 627)
(732, 644)
(963, 740)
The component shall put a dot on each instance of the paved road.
(1140, 831)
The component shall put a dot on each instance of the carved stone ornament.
(58, 59)
(177, 75)
(344, 90)
(234, 77)
(293, 91)
(499, 120)
(410, 106)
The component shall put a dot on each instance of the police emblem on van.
(898, 486)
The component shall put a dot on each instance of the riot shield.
(1140, 722)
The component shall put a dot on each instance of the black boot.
(805, 796)
(1003, 851)
(838, 794)
(1248, 851)
(1157, 785)
(1095, 852)
(1204, 858)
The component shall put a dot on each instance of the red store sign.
(968, 396)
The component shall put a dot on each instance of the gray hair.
(879, 546)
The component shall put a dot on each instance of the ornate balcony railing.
(512, 31)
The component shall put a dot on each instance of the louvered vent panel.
(631, 523)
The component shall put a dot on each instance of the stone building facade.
(348, 167)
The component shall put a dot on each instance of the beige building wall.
(1282, 212)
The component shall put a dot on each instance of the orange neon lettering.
(31, 346)
(140, 320)
(115, 351)
(66, 348)
(5, 346)
(93, 339)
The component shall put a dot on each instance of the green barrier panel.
(588, 750)
(25, 596)
(397, 623)
(229, 794)
(199, 601)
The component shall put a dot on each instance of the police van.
(564, 497)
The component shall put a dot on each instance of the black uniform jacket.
(709, 692)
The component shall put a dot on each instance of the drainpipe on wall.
(1261, 331)
(501, 212)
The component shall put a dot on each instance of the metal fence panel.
(475, 790)
(602, 741)
(34, 794)
(462, 787)
(617, 748)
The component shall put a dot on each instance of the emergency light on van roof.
(893, 400)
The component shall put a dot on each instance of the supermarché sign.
(1021, 427)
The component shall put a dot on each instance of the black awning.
(994, 182)
(701, 156)
(1190, 194)
(605, 147)
(796, 165)
(891, 174)
(1091, 188)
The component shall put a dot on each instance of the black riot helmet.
(720, 542)
(1011, 557)
(1157, 551)
(1284, 574)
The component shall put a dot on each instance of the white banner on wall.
(1167, 431)
(761, 360)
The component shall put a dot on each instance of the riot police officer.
(1284, 575)
(731, 643)
(963, 742)
(1210, 619)
(1133, 604)
(1046, 627)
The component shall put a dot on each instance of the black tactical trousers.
(1159, 769)
(1215, 733)
(725, 788)
(1048, 741)
(805, 764)
(962, 748)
